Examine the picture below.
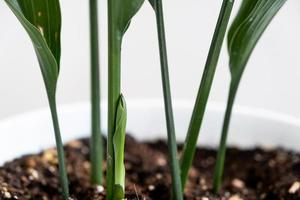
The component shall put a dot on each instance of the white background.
(271, 81)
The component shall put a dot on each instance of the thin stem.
(60, 149)
(174, 164)
(96, 139)
(204, 89)
(218, 174)
(114, 84)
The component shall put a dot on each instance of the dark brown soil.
(249, 174)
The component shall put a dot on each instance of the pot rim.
(32, 131)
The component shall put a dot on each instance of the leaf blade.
(48, 54)
(251, 22)
(48, 62)
(204, 89)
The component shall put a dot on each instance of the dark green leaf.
(252, 20)
(204, 89)
(125, 10)
(42, 22)
(174, 163)
(248, 27)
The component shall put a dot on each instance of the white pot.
(33, 132)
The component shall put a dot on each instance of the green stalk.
(175, 169)
(120, 13)
(114, 84)
(217, 180)
(96, 138)
(204, 89)
(59, 147)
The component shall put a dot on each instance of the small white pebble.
(75, 144)
(151, 187)
(295, 187)
(235, 197)
(161, 161)
(237, 183)
(158, 176)
(227, 194)
(15, 197)
(204, 198)
(258, 157)
(100, 188)
(34, 173)
(7, 195)
(272, 163)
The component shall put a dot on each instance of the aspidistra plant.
(172, 145)
(120, 13)
(42, 22)
(204, 89)
(251, 21)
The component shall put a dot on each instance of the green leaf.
(246, 31)
(124, 11)
(204, 89)
(252, 20)
(173, 153)
(244, 11)
(42, 22)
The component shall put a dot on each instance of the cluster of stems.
(120, 13)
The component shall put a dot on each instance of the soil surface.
(249, 174)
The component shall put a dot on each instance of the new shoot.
(120, 13)
(119, 148)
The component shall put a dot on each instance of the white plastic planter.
(33, 132)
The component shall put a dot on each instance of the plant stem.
(204, 89)
(60, 149)
(96, 138)
(217, 180)
(175, 169)
(114, 84)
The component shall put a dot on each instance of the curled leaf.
(119, 144)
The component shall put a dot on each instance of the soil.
(254, 174)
